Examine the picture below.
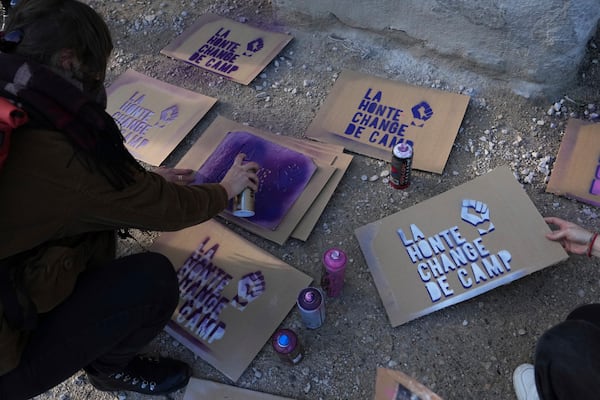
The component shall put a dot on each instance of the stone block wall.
(533, 46)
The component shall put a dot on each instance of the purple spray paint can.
(286, 345)
(334, 268)
(312, 307)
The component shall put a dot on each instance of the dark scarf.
(53, 102)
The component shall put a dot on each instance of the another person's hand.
(572, 237)
(176, 175)
(240, 176)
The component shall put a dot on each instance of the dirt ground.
(467, 351)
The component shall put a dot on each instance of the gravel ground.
(467, 351)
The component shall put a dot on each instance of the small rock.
(81, 379)
(373, 178)
(521, 332)
(384, 173)
(307, 388)
(465, 322)
(392, 363)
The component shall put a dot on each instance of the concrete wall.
(533, 45)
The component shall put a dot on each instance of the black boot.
(146, 375)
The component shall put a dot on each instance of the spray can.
(287, 346)
(243, 204)
(312, 307)
(334, 263)
(401, 168)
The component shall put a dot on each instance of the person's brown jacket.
(65, 217)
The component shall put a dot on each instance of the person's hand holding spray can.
(240, 182)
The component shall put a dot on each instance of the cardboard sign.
(395, 385)
(234, 50)
(324, 160)
(455, 246)
(576, 171)
(233, 294)
(201, 389)
(154, 116)
(283, 174)
(370, 115)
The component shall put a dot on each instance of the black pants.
(567, 357)
(114, 311)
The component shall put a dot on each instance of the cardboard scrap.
(232, 49)
(233, 294)
(154, 116)
(576, 171)
(395, 385)
(369, 115)
(457, 245)
(201, 389)
(318, 191)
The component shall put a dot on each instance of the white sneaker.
(524, 383)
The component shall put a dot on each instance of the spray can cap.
(283, 340)
(334, 259)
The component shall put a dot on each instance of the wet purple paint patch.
(595, 188)
(283, 175)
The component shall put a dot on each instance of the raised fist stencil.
(421, 113)
(476, 212)
(250, 287)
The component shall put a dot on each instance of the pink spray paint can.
(334, 268)
(287, 346)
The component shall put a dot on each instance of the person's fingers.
(557, 235)
(251, 166)
(182, 171)
(553, 220)
(185, 179)
(239, 159)
(252, 185)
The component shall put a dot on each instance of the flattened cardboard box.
(201, 389)
(395, 385)
(576, 171)
(234, 50)
(457, 245)
(217, 131)
(282, 177)
(233, 295)
(154, 116)
(369, 115)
